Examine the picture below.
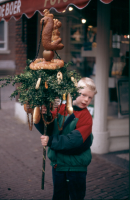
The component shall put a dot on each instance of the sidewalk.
(21, 166)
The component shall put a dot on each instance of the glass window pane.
(1, 45)
(2, 31)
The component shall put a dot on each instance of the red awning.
(29, 7)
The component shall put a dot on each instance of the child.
(69, 149)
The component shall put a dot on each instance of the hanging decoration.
(69, 104)
(74, 81)
(36, 115)
(46, 86)
(59, 77)
(38, 83)
(29, 113)
(45, 79)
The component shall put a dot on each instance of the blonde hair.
(87, 83)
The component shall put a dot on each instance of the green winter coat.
(68, 162)
(69, 149)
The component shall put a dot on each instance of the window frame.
(5, 42)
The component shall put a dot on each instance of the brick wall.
(20, 45)
(11, 42)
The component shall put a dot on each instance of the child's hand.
(44, 140)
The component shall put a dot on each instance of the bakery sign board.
(18, 7)
(10, 8)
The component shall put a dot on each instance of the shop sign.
(11, 8)
(29, 7)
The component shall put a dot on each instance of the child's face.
(85, 98)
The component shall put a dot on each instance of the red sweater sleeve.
(84, 124)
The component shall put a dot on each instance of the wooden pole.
(44, 160)
(44, 148)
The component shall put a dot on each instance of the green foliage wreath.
(37, 97)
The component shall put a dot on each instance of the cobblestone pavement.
(21, 164)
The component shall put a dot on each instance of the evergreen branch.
(36, 97)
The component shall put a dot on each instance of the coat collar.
(76, 108)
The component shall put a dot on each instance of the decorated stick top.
(50, 33)
(51, 42)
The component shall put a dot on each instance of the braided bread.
(41, 63)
